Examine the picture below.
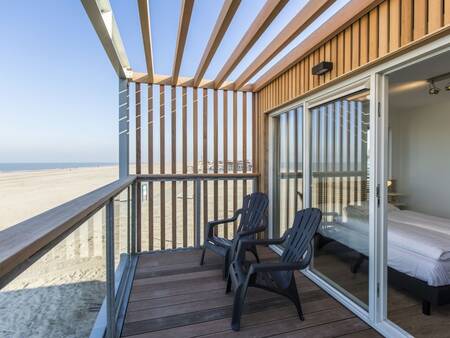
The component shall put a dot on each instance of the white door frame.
(377, 315)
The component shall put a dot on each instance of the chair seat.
(223, 242)
(220, 246)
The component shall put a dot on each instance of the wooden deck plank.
(173, 296)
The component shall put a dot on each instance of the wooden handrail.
(22, 242)
(208, 176)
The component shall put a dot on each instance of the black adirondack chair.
(276, 277)
(251, 222)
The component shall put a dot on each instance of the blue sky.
(59, 92)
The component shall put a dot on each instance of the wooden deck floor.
(172, 296)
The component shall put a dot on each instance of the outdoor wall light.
(322, 68)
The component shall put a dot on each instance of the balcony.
(91, 242)
(123, 260)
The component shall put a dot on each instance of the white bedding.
(418, 244)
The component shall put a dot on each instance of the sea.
(33, 166)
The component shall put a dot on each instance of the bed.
(418, 249)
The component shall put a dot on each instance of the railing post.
(124, 126)
(197, 216)
(255, 184)
(110, 283)
(133, 217)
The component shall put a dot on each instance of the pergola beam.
(303, 19)
(102, 18)
(264, 18)
(167, 80)
(353, 10)
(229, 8)
(183, 28)
(144, 18)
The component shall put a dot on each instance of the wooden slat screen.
(195, 130)
(389, 27)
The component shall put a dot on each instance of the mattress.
(418, 244)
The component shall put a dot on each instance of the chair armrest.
(251, 232)
(213, 224)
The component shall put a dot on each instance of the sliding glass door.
(339, 158)
(287, 163)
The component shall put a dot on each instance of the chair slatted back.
(253, 211)
(301, 234)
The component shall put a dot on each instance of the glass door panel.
(287, 193)
(339, 187)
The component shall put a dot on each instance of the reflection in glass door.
(339, 187)
(287, 193)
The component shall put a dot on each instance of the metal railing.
(40, 240)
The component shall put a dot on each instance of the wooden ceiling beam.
(144, 18)
(264, 18)
(167, 80)
(183, 28)
(229, 8)
(347, 14)
(102, 18)
(300, 21)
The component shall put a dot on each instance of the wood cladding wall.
(390, 27)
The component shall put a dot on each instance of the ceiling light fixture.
(433, 89)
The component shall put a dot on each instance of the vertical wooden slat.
(195, 150)
(312, 81)
(373, 34)
(355, 45)
(348, 129)
(446, 12)
(244, 139)
(325, 162)
(301, 76)
(383, 29)
(364, 40)
(216, 152)
(340, 143)
(296, 112)
(348, 49)
(394, 24)
(150, 164)
(173, 94)
(255, 103)
(406, 33)
(162, 166)
(225, 159)
(340, 54)
(184, 159)
(235, 153)
(315, 62)
(435, 14)
(333, 54)
(288, 180)
(138, 166)
(355, 155)
(327, 57)
(322, 58)
(205, 154)
(195, 129)
(420, 18)
(138, 128)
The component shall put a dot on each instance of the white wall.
(421, 155)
